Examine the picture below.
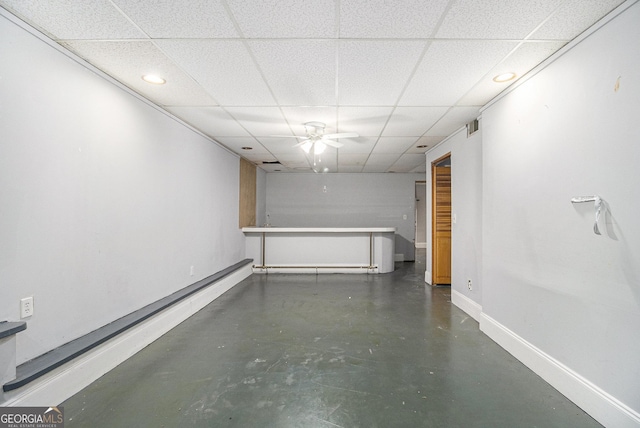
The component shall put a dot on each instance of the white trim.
(421, 245)
(398, 257)
(427, 277)
(603, 407)
(69, 379)
(472, 308)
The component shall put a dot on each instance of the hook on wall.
(599, 204)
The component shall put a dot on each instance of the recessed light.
(504, 77)
(152, 78)
(247, 148)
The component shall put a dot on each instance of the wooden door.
(441, 230)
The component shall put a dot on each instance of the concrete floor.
(325, 351)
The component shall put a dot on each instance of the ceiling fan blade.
(341, 135)
(332, 143)
(301, 143)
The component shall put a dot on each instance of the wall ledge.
(74, 374)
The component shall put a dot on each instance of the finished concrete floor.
(325, 351)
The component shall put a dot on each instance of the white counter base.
(321, 250)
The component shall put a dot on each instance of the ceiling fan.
(316, 140)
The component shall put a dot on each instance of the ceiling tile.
(260, 121)
(494, 19)
(213, 121)
(297, 116)
(354, 169)
(428, 141)
(279, 146)
(385, 19)
(128, 61)
(285, 18)
(396, 145)
(526, 57)
(223, 67)
(358, 145)
(573, 17)
(300, 72)
(366, 121)
(383, 159)
(408, 162)
(374, 73)
(171, 19)
(352, 159)
(466, 63)
(413, 121)
(76, 19)
(453, 120)
(237, 143)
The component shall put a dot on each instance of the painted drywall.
(346, 200)
(261, 197)
(466, 211)
(421, 215)
(570, 130)
(107, 202)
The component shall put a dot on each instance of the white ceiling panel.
(76, 19)
(494, 19)
(407, 163)
(396, 145)
(428, 141)
(300, 72)
(527, 56)
(165, 19)
(573, 17)
(236, 144)
(363, 120)
(399, 73)
(279, 146)
(386, 19)
(260, 121)
(453, 119)
(224, 68)
(358, 145)
(412, 121)
(375, 72)
(213, 121)
(352, 159)
(129, 61)
(446, 85)
(297, 116)
(285, 18)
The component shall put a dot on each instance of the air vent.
(472, 127)
(271, 163)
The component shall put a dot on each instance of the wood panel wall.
(247, 193)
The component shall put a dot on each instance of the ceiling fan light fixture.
(319, 147)
(504, 77)
(306, 147)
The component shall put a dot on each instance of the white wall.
(106, 201)
(261, 197)
(553, 291)
(350, 200)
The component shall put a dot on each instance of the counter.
(321, 249)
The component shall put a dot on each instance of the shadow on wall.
(405, 247)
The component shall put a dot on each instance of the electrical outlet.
(469, 284)
(191, 271)
(26, 307)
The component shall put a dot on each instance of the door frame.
(434, 163)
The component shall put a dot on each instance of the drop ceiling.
(402, 74)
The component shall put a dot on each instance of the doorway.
(441, 220)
